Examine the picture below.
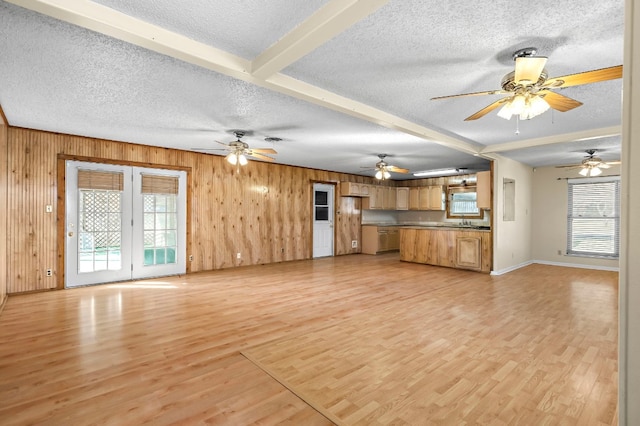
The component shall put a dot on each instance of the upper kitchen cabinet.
(353, 189)
(483, 189)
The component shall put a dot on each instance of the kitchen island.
(453, 247)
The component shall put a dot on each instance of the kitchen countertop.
(451, 226)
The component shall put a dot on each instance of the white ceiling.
(338, 80)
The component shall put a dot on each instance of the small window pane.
(321, 198)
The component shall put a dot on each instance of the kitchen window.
(593, 219)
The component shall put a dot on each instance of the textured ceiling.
(338, 81)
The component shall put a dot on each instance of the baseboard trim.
(547, 262)
(512, 268)
(578, 265)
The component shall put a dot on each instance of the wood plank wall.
(3, 206)
(264, 212)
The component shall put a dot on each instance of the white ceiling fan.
(591, 165)
(239, 151)
(383, 170)
(529, 90)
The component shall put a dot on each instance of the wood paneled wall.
(3, 206)
(263, 212)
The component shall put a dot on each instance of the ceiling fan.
(239, 151)
(529, 90)
(383, 169)
(591, 165)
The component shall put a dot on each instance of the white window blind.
(593, 220)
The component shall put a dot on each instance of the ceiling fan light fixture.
(232, 158)
(242, 159)
(590, 171)
(526, 106)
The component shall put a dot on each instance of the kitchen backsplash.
(414, 217)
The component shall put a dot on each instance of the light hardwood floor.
(363, 339)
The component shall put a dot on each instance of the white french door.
(323, 196)
(123, 223)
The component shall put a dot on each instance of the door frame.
(61, 205)
(312, 215)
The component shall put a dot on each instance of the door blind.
(156, 184)
(91, 179)
(593, 220)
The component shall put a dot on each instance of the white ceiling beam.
(104, 20)
(329, 21)
(318, 96)
(550, 140)
(120, 26)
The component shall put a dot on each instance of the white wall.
(549, 218)
(512, 239)
(629, 306)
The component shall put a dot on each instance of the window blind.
(593, 219)
(156, 184)
(91, 179)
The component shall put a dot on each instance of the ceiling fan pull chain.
(517, 124)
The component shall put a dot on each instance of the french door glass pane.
(160, 228)
(100, 230)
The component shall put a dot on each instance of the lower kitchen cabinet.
(453, 248)
(378, 239)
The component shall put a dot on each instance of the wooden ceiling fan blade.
(559, 102)
(261, 157)
(397, 169)
(529, 68)
(570, 166)
(484, 111)
(603, 74)
(612, 163)
(264, 150)
(488, 92)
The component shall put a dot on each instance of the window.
(462, 202)
(593, 219)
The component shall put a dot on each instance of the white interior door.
(123, 223)
(323, 196)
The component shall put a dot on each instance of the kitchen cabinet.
(426, 198)
(353, 189)
(483, 190)
(414, 198)
(453, 248)
(469, 252)
(402, 198)
(380, 198)
(378, 239)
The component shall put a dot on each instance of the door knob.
(70, 233)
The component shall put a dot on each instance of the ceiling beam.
(329, 21)
(549, 140)
(104, 20)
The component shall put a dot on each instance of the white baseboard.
(578, 265)
(546, 262)
(512, 268)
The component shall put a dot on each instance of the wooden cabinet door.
(469, 252)
(390, 199)
(435, 198)
(402, 198)
(414, 198)
(424, 198)
(383, 240)
(364, 190)
(483, 190)
(393, 239)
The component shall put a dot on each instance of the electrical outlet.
(191, 258)
(49, 273)
(238, 256)
(559, 252)
(354, 243)
(49, 208)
